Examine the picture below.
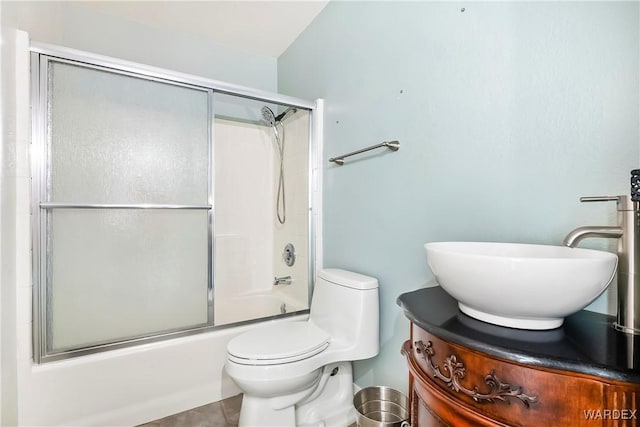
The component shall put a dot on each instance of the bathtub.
(135, 385)
(253, 305)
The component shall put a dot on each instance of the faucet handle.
(624, 202)
(601, 198)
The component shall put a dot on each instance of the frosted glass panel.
(119, 274)
(123, 139)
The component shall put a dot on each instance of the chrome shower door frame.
(42, 55)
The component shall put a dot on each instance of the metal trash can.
(381, 407)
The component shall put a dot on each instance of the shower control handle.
(289, 254)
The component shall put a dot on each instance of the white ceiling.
(259, 27)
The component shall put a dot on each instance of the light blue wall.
(507, 113)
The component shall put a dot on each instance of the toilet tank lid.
(348, 278)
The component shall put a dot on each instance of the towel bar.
(391, 145)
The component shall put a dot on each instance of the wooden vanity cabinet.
(456, 378)
(451, 385)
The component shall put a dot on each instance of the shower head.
(271, 119)
(268, 116)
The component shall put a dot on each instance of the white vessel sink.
(519, 285)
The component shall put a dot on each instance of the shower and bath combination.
(78, 229)
(272, 120)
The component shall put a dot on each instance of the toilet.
(299, 373)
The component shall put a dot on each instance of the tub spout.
(285, 280)
(575, 236)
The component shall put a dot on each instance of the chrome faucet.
(285, 280)
(628, 235)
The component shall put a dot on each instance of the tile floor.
(218, 414)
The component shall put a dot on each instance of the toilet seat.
(277, 344)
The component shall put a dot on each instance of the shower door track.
(148, 72)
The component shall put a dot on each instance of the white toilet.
(299, 373)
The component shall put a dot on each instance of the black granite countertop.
(585, 343)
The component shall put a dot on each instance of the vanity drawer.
(464, 387)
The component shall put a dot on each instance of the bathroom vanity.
(464, 372)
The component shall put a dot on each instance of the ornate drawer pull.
(457, 371)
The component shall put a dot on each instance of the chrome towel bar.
(391, 145)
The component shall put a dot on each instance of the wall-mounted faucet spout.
(285, 280)
(628, 235)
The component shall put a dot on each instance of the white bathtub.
(254, 305)
(130, 386)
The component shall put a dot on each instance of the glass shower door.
(125, 207)
(127, 248)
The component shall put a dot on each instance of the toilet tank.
(345, 304)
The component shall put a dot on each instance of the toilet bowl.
(299, 373)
